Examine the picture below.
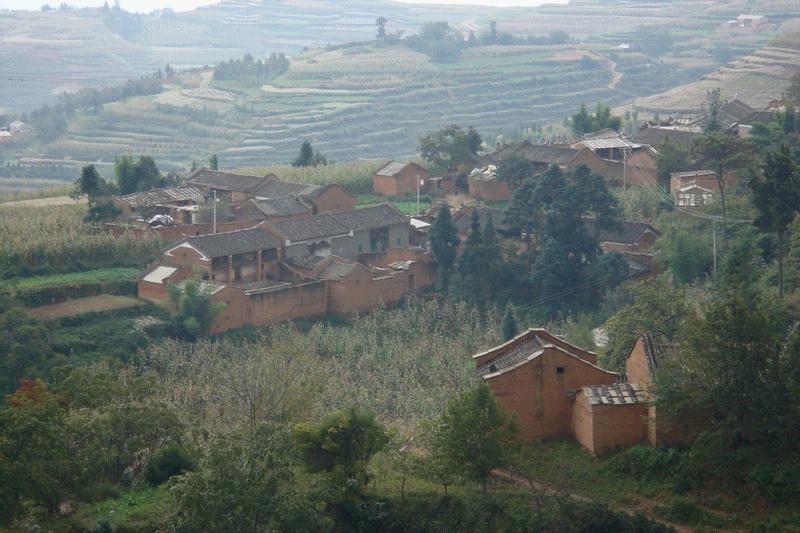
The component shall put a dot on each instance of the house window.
(559, 370)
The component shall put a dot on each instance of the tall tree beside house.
(90, 183)
(671, 158)
(513, 170)
(444, 244)
(712, 108)
(306, 156)
(584, 122)
(127, 178)
(776, 194)
(491, 261)
(449, 147)
(469, 265)
(476, 435)
(721, 152)
(213, 162)
(509, 326)
(193, 310)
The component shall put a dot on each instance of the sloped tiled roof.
(163, 196)
(628, 231)
(308, 262)
(514, 356)
(225, 180)
(616, 394)
(336, 270)
(284, 206)
(656, 349)
(233, 242)
(315, 227)
(392, 169)
(275, 188)
(378, 216)
(655, 135)
(536, 153)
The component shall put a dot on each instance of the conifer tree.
(306, 157)
(509, 325)
(213, 162)
(444, 241)
(469, 264)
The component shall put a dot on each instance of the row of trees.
(249, 68)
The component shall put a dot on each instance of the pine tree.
(444, 241)
(509, 326)
(490, 260)
(469, 262)
(213, 162)
(306, 157)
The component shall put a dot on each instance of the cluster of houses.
(620, 159)
(292, 251)
(555, 388)
(15, 128)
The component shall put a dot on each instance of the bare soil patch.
(81, 306)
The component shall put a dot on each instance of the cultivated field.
(82, 306)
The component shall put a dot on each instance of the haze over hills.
(363, 100)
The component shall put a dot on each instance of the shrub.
(167, 462)
(103, 525)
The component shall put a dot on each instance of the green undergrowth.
(75, 278)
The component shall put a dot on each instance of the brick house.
(484, 184)
(634, 240)
(284, 208)
(399, 179)
(181, 203)
(555, 388)
(228, 186)
(297, 268)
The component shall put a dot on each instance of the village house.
(400, 179)
(337, 263)
(484, 184)
(622, 162)
(746, 24)
(180, 203)
(680, 135)
(697, 188)
(634, 240)
(555, 389)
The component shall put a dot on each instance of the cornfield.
(356, 177)
(56, 239)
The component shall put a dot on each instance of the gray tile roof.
(628, 231)
(284, 206)
(375, 217)
(315, 227)
(164, 196)
(656, 349)
(225, 180)
(536, 153)
(275, 188)
(514, 356)
(655, 135)
(337, 270)
(616, 394)
(308, 262)
(234, 242)
(393, 168)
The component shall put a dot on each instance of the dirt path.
(645, 507)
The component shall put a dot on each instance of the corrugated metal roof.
(607, 143)
(159, 274)
(391, 169)
(165, 196)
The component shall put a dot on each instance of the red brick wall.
(493, 190)
(404, 182)
(636, 368)
(538, 394)
(358, 291)
(334, 200)
(603, 428)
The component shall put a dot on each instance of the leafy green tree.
(584, 122)
(475, 435)
(509, 325)
(776, 194)
(194, 311)
(671, 158)
(712, 109)
(444, 243)
(449, 147)
(167, 462)
(147, 174)
(246, 483)
(722, 152)
(36, 459)
(90, 183)
(513, 170)
(213, 162)
(793, 92)
(342, 444)
(688, 255)
(490, 265)
(127, 175)
(306, 156)
(102, 212)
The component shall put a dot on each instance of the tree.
(306, 156)
(688, 255)
(246, 483)
(722, 152)
(509, 325)
(449, 147)
(583, 122)
(776, 194)
(127, 178)
(380, 22)
(213, 162)
(469, 263)
(671, 158)
(513, 170)
(193, 310)
(342, 444)
(476, 435)
(90, 183)
(25, 345)
(793, 92)
(444, 242)
(712, 109)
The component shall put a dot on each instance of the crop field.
(82, 306)
(76, 278)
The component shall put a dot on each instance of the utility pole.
(418, 187)
(714, 225)
(625, 168)
(214, 229)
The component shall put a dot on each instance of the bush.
(167, 462)
(684, 511)
(103, 525)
